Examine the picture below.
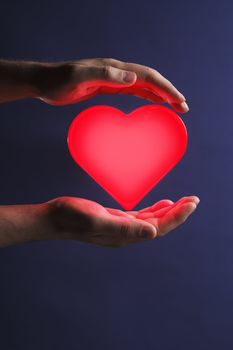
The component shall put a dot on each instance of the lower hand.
(87, 221)
(83, 220)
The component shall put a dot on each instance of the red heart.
(127, 154)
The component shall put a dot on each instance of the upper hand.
(87, 221)
(72, 82)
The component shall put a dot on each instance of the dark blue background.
(172, 293)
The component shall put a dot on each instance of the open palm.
(88, 221)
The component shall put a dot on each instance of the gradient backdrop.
(172, 293)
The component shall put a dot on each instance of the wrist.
(17, 80)
(25, 79)
(47, 78)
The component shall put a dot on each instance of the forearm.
(23, 223)
(25, 79)
(16, 80)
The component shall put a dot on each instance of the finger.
(137, 92)
(175, 217)
(133, 213)
(133, 91)
(156, 81)
(109, 76)
(118, 212)
(185, 199)
(145, 215)
(155, 214)
(164, 87)
(153, 80)
(157, 206)
(142, 93)
(168, 203)
(125, 230)
(180, 107)
(163, 211)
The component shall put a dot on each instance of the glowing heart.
(127, 154)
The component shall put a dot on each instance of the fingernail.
(194, 206)
(196, 199)
(185, 106)
(129, 77)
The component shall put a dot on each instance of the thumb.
(111, 76)
(134, 230)
(131, 230)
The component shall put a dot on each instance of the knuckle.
(103, 60)
(58, 203)
(149, 73)
(106, 72)
(66, 213)
(113, 61)
(110, 61)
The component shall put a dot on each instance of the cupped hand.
(87, 221)
(72, 82)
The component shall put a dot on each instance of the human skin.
(76, 218)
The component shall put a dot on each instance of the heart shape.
(127, 154)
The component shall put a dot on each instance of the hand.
(72, 82)
(87, 221)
